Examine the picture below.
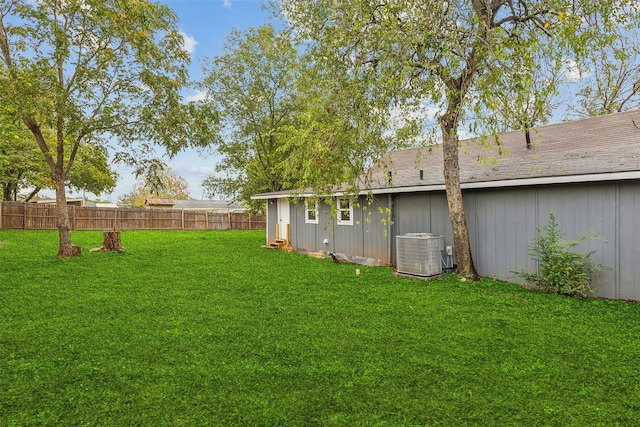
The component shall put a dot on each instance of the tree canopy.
(24, 171)
(254, 87)
(460, 58)
(160, 182)
(610, 79)
(94, 71)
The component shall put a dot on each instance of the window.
(345, 211)
(311, 212)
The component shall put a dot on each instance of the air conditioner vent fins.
(419, 254)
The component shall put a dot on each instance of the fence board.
(33, 216)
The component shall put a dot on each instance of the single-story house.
(585, 172)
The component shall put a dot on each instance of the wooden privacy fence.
(33, 216)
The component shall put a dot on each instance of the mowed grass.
(208, 328)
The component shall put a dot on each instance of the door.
(283, 217)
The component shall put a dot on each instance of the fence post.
(182, 218)
(24, 219)
(229, 219)
(73, 224)
(0, 214)
(249, 221)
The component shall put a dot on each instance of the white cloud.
(198, 96)
(189, 42)
(571, 71)
(226, 3)
(201, 170)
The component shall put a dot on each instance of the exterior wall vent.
(419, 254)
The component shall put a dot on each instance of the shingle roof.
(604, 144)
(561, 152)
(159, 202)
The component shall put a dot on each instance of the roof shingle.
(603, 144)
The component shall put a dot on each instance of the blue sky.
(205, 24)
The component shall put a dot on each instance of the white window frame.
(307, 210)
(340, 210)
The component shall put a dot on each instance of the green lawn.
(208, 328)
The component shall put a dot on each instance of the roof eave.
(568, 179)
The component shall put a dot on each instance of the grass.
(207, 328)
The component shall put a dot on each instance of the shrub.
(561, 270)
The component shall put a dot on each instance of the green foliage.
(612, 80)
(80, 74)
(254, 87)
(21, 163)
(159, 181)
(561, 270)
(208, 328)
(484, 64)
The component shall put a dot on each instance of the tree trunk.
(461, 243)
(8, 192)
(111, 242)
(66, 249)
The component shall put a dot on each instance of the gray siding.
(272, 219)
(628, 247)
(377, 229)
(422, 213)
(367, 237)
(502, 223)
(309, 237)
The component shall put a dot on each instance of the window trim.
(340, 221)
(307, 210)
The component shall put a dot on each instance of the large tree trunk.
(66, 249)
(9, 192)
(461, 242)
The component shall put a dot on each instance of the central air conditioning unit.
(419, 254)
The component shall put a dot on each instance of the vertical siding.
(629, 243)
(294, 223)
(578, 209)
(377, 235)
(412, 213)
(601, 216)
(349, 239)
(303, 235)
(272, 219)
(502, 223)
(325, 229)
(439, 216)
(367, 237)
(422, 213)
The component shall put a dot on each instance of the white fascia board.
(570, 179)
(267, 196)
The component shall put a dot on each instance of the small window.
(311, 212)
(345, 211)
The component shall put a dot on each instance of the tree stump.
(110, 242)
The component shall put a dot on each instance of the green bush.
(561, 270)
